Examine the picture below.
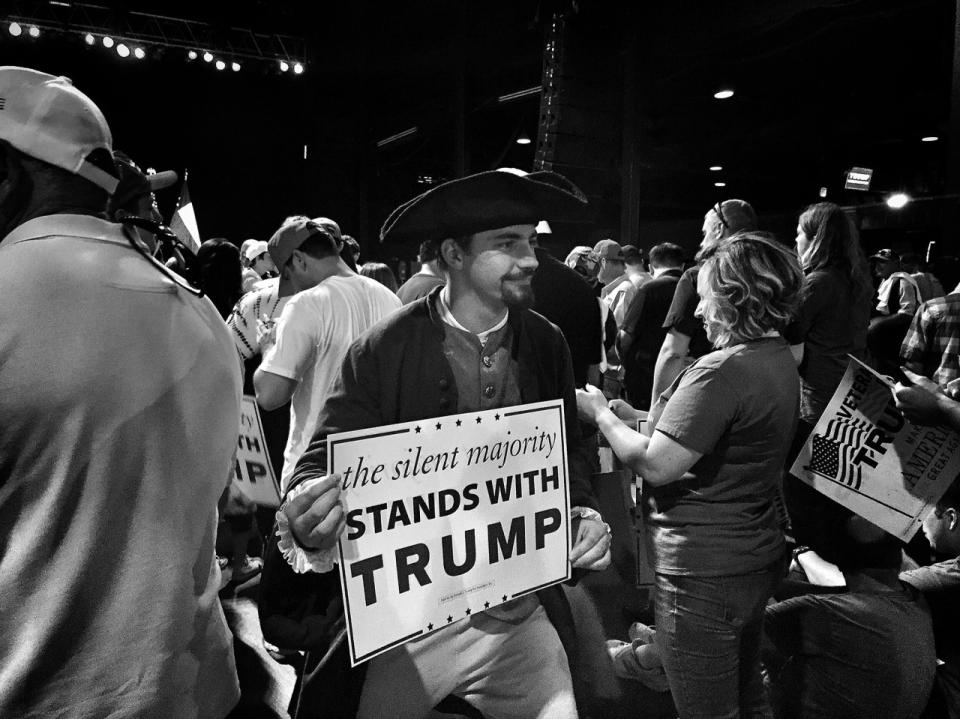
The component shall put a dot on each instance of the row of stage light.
(124, 50)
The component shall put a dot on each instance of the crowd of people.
(124, 355)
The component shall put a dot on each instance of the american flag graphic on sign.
(833, 452)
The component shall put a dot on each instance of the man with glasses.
(686, 339)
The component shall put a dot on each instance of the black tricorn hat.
(484, 201)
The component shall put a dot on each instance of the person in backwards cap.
(469, 345)
(117, 438)
(332, 307)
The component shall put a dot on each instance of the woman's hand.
(590, 403)
(625, 411)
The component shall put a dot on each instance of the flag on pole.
(184, 222)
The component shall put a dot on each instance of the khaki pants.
(504, 670)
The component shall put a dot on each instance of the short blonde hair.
(749, 286)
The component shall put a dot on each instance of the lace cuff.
(585, 513)
(300, 559)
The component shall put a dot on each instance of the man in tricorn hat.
(470, 345)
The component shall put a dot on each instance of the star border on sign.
(459, 422)
(417, 429)
(438, 425)
(479, 420)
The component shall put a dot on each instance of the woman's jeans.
(709, 631)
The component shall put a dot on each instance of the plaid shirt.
(933, 340)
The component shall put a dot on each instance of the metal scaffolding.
(157, 30)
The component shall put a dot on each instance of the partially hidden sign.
(447, 517)
(866, 456)
(253, 472)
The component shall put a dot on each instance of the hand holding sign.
(316, 517)
(921, 402)
(591, 549)
(928, 404)
(864, 455)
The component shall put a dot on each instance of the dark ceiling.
(821, 85)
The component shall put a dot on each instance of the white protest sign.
(447, 517)
(864, 455)
(253, 472)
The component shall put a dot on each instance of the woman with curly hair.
(711, 472)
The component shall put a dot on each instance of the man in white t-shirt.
(333, 307)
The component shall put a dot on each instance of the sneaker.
(639, 632)
(247, 569)
(627, 666)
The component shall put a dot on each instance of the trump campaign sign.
(866, 456)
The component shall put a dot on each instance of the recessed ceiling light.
(719, 184)
(208, 56)
(123, 50)
(723, 94)
(107, 41)
(929, 138)
(297, 68)
(715, 168)
(898, 200)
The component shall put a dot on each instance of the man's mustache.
(519, 275)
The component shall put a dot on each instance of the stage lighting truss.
(133, 34)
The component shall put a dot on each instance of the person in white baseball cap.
(120, 398)
(47, 118)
